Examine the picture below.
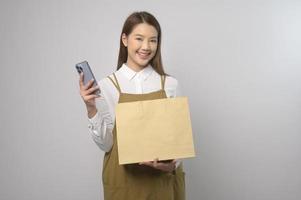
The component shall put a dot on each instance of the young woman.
(139, 76)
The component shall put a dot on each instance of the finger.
(173, 164)
(147, 163)
(91, 97)
(81, 79)
(162, 166)
(167, 166)
(89, 84)
(156, 162)
(174, 161)
(92, 90)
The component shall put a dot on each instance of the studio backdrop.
(238, 62)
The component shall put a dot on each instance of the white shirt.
(145, 81)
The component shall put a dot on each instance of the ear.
(124, 39)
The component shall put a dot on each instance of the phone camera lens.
(79, 69)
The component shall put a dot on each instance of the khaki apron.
(134, 181)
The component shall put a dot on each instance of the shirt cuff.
(178, 162)
(94, 124)
(94, 119)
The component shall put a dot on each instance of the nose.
(145, 45)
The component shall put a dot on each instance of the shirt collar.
(130, 74)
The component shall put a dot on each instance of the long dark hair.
(129, 24)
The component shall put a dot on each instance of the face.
(141, 45)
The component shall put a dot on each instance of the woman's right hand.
(86, 92)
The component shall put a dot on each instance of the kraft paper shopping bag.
(150, 129)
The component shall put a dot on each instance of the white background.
(238, 62)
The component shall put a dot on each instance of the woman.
(139, 76)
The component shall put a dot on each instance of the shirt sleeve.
(172, 87)
(178, 91)
(101, 126)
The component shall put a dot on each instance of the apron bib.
(134, 181)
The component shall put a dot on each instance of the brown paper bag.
(152, 129)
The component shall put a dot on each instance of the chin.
(144, 64)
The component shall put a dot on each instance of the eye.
(139, 39)
(154, 41)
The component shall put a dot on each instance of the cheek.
(132, 44)
(154, 48)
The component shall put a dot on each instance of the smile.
(143, 55)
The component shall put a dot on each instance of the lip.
(143, 55)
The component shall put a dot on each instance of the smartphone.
(88, 74)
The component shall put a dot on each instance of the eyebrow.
(143, 36)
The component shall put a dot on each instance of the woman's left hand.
(164, 166)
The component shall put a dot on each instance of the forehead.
(145, 30)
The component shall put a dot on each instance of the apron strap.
(115, 84)
(163, 77)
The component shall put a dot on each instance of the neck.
(135, 67)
